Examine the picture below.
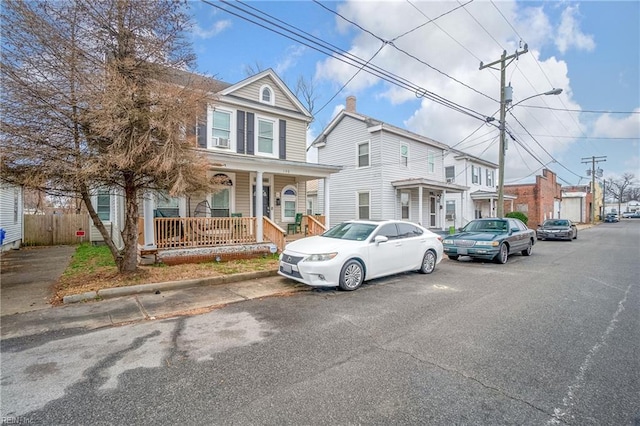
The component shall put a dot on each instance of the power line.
(295, 34)
(581, 110)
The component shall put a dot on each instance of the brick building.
(539, 201)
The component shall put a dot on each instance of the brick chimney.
(351, 104)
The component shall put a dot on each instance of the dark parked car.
(611, 217)
(490, 239)
(557, 229)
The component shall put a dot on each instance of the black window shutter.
(240, 133)
(201, 132)
(283, 139)
(250, 133)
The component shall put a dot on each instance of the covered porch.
(429, 196)
(233, 216)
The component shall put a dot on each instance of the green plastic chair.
(296, 226)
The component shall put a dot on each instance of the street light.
(501, 154)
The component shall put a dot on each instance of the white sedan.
(360, 250)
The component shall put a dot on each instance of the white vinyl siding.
(11, 204)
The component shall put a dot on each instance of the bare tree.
(618, 189)
(633, 193)
(253, 69)
(306, 90)
(92, 98)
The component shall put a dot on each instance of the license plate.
(462, 251)
(286, 268)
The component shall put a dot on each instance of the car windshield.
(350, 231)
(486, 226)
(556, 223)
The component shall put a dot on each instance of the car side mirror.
(514, 230)
(380, 239)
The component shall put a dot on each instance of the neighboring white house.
(387, 172)
(481, 198)
(11, 220)
(619, 208)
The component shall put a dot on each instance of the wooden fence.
(55, 229)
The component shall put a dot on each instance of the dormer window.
(266, 95)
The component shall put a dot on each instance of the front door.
(266, 201)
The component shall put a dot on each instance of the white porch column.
(327, 217)
(259, 208)
(147, 213)
(491, 207)
(420, 218)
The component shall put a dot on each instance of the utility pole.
(503, 111)
(593, 161)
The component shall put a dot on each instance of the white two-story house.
(387, 172)
(481, 198)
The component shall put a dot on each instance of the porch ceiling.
(251, 163)
(428, 183)
(487, 195)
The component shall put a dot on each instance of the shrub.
(518, 215)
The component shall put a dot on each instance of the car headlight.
(447, 241)
(487, 243)
(320, 257)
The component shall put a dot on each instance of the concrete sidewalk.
(29, 274)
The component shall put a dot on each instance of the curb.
(110, 293)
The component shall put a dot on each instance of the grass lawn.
(92, 268)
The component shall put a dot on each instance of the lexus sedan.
(557, 229)
(490, 239)
(359, 250)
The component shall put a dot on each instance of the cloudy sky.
(416, 65)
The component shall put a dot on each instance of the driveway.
(28, 275)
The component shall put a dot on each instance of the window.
(450, 211)
(431, 162)
(221, 198)
(490, 177)
(265, 137)
(289, 199)
(405, 199)
(267, 95)
(389, 230)
(404, 155)
(103, 205)
(407, 230)
(475, 175)
(168, 206)
(363, 155)
(450, 174)
(221, 125)
(363, 205)
(309, 206)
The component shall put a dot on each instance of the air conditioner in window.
(450, 180)
(221, 142)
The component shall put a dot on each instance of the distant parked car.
(635, 215)
(490, 239)
(611, 217)
(557, 229)
(627, 214)
(359, 250)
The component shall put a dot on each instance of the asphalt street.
(548, 339)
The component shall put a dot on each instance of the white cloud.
(212, 31)
(292, 55)
(614, 126)
(569, 34)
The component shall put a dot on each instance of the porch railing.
(184, 232)
(273, 233)
(315, 225)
